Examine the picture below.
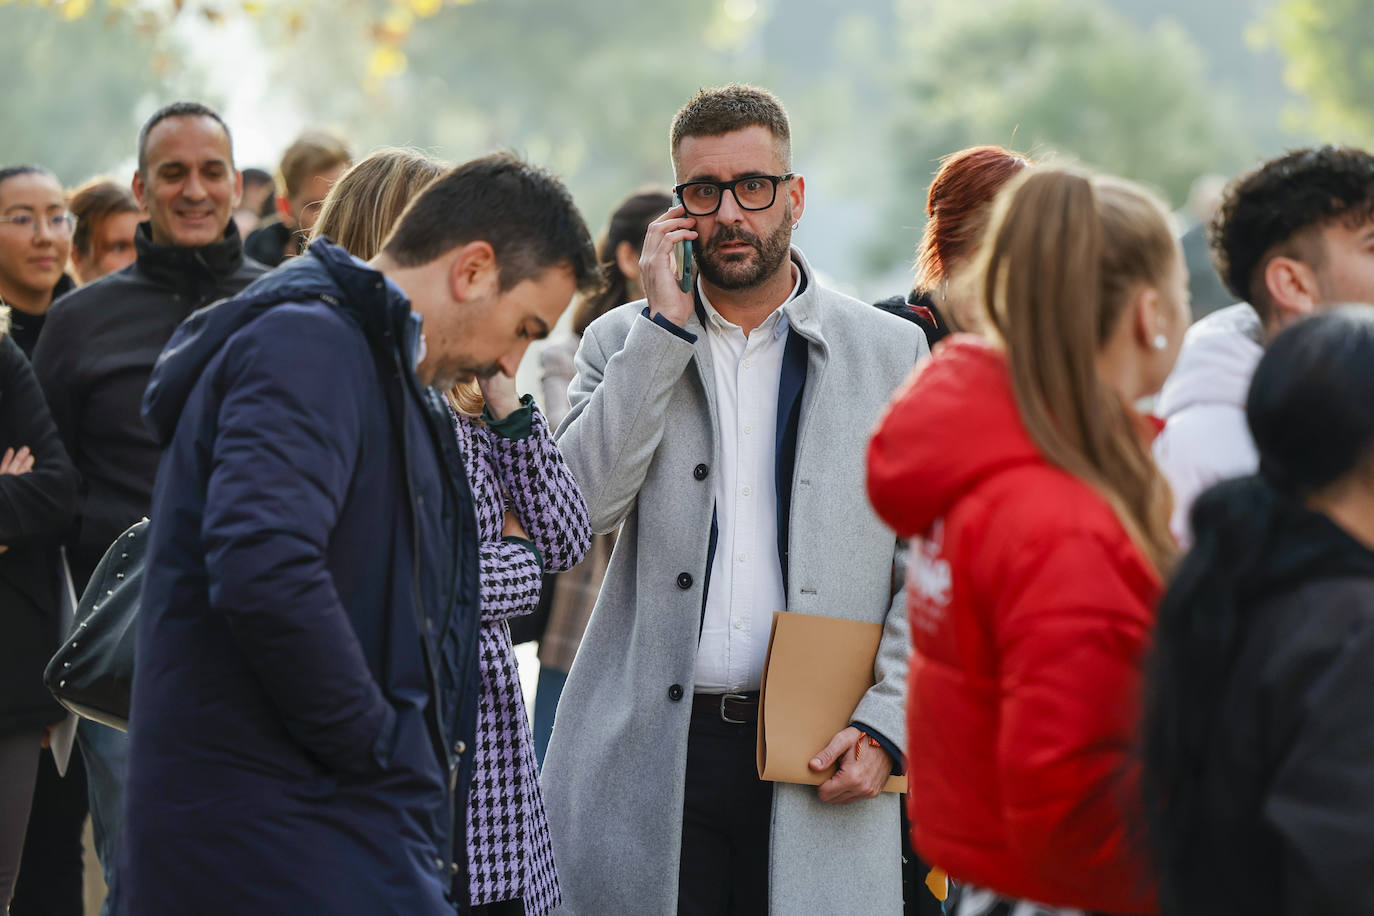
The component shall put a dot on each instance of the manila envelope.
(816, 671)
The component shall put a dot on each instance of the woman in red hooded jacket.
(1040, 536)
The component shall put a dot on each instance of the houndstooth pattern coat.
(509, 850)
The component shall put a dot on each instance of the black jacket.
(93, 361)
(267, 243)
(305, 693)
(34, 510)
(1289, 778)
(919, 309)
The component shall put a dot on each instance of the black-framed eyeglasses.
(58, 223)
(753, 192)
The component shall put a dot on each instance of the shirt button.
(748, 363)
(675, 692)
(684, 581)
(700, 471)
(460, 748)
(748, 430)
(743, 557)
(453, 868)
(739, 624)
(746, 491)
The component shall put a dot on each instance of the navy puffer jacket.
(306, 686)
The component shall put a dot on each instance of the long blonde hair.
(364, 204)
(1063, 255)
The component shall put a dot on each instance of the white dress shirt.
(746, 584)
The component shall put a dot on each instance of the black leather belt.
(735, 708)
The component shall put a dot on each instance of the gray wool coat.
(642, 420)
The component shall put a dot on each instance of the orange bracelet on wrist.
(872, 742)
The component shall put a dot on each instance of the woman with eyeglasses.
(35, 240)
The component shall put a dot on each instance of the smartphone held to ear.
(682, 251)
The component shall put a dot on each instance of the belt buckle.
(723, 716)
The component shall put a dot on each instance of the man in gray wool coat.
(725, 429)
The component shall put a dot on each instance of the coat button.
(684, 581)
(700, 472)
(675, 692)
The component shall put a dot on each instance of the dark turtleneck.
(26, 326)
(93, 360)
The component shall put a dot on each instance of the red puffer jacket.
(1030, 611)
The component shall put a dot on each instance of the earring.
(1160, 342)
(795, 225)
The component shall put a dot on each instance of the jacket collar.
(803, 310)
(174, 265)
(325, 273)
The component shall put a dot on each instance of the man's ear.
(1292, 287)
(140, 190)
(473, 272)
(796, 189)
(284, 209)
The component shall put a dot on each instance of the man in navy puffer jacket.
(305, 691)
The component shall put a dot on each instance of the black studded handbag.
(93, 671)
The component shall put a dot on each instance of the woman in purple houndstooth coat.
(531, 519)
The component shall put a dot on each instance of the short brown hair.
(364, 204)
(312, 153)
(525, 213)
(92, 203)
(724, 110)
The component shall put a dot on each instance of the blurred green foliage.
(878, 89)
(1061, 80)
(76, 86)
(1329, 49)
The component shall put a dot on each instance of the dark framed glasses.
(753, 192)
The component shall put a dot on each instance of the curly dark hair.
(1264, 213)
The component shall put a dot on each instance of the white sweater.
(1206, 439)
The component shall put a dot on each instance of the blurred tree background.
(1158, 90)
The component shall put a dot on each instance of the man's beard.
(735, 273)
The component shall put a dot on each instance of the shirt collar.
(775, 323)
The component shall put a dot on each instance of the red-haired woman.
(957, 206)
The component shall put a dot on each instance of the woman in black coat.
(1259, 724)
(37, 499)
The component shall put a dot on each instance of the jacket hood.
(326, 273)
(1218, 358)
(956, 424)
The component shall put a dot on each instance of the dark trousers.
(50, 879)
(726, 819)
